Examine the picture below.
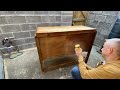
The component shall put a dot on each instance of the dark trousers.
(76, 73)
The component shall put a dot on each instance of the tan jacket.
(111, 70)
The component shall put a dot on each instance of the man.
(110, 70)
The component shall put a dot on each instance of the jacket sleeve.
(89, 67)
(101, 72)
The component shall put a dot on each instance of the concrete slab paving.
(27, 66)
(1, 67)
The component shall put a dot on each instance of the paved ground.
(27, 66)
(1, 67)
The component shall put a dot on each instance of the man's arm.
(101, 72)
(93, 73)
(89, 67)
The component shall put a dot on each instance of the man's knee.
(75, 71)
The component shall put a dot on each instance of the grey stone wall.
(22, 24)
(103, 21)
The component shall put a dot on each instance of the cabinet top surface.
(52, 29)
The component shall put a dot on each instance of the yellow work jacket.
(110, 70)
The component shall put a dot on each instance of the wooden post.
(79, 17)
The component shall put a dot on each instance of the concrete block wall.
(103, 21)
(22, 25)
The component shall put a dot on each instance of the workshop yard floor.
(27, 66)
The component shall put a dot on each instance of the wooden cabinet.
(56, 44)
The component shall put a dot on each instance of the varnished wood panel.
(81, 39)
(62, 29)
(52, 46)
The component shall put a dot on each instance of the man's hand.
(78, 52)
